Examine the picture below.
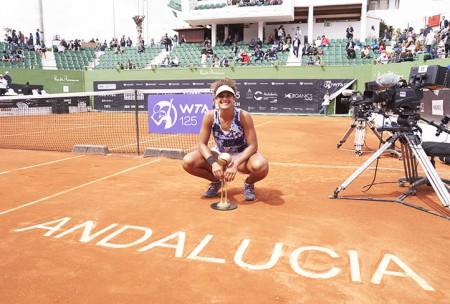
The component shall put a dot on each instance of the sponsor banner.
(177, 113)
(289, 96)
(82, 101)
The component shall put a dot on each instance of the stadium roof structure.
(214, 13)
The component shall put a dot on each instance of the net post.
(136, 115)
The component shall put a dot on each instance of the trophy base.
(223, 206)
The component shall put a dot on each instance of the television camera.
(392, 94)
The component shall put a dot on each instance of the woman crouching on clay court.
(234, 133)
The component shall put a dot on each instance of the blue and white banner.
(177, 113)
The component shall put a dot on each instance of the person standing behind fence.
(8, 78)
(349, 32)
(326, 103)
(3, 85)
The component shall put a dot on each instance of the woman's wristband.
(211, 160)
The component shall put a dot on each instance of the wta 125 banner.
(177, 113)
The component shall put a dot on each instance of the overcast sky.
(86, 19)
(104, 19)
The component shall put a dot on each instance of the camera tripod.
(413, 153)
(360, 124)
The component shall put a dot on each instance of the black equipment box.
(430, 75)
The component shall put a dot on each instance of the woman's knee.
(259, 165)
(188, 161)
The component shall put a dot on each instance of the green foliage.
(384, 26)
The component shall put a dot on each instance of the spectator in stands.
(311, 61)
(435, 46)
(443, 23)
(30, 41)
(387, 35)
(349, 32)
(204, 59)
(234, 48)
(123, 42)
(373, 34)
(350, 48)
(18, 56)
(128, 64)
(245, 58)
(298, 34)
(259, 43)
(324, 42)
(281, 33)
(141, 48)
(175, 62)
(427, 29)
(119, 65)
(224, 62)
(15, 37)
(418, 48)
(112, 44)
(6, 57)
(410, 33)
(38, 37)
(271, 39)
(420, 37)
(296, 45)
(209, 51)
(129, 42)
(183, 39)
(167, 43)
(407, 55)
(207, 42)
(70, 45)
(228, 41)
(384, 58)
(8, 79)
(317, 61)
(358, 45)
(284, 46)
(252, 44)
(166, 61)
(3, 85)
(430, 40)
(43, 50)
(447, 45)
(313, 50)
(271, 54)
(259, 54)
(402, 37)
(365, 52)
(216, 62)
(381, 45)
(118, 49)
(9, 40)
(103, 46)
(21, 37)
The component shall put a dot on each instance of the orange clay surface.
(108, 229)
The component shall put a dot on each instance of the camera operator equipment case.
(430, 75)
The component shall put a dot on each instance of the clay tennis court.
(108, 229)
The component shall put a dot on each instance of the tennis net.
(119, 120)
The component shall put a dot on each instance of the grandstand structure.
(75, 71)
(243, 21)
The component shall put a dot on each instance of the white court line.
(43, 164)
(76, 188)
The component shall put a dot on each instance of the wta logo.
(164, 112)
